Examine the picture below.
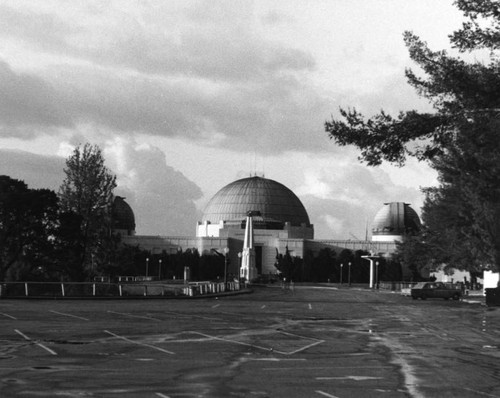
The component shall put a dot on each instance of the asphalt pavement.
(312, 341)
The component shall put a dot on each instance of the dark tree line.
(327, 266)
(40, 240)
(460, 140)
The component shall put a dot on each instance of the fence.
(109, 290)
(396, 286)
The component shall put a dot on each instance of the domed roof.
(272, 199)
(123, 216)
(396, 218)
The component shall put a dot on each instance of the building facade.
(281, 224)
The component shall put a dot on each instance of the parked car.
(425, 290)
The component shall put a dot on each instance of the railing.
(396, 286)
(200, 288)
(109, 290)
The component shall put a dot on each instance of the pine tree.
(87, 192)
(460, 140)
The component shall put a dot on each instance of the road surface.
(312, 341)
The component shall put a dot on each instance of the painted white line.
(325, 394)
(7, 315)
(239, 342)
(306, 347)
(193, 316)
(264, 306)
(72, 316)
(355, 378)
(134, 316)
(22, 334)
(480, 393)
(38, 344)
(310, 306)
(162, 395)
(281, 360)
(316, 342)
(215, 306)
(136, 342)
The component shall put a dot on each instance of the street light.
(226, 250)
(349, 274)
(159, 269)
(341, 266)
(376, 274)
(147, 266)
(240, 255)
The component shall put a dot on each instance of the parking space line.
(310, 306)
(193, 316)
(264, 306)
(355, 378)
(316, 342)
(72, 316)
(305, 347)
(7, 315)
(215, 306)
(134, 316)
(325, 394)
(38, 344)
(138, 343)
(238, 342)
(162, 395)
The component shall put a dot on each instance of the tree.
(462, 216)
(323, 266)
(460, 140)
(28, 221)
(414, 255)
(289, 266)
(87, 192)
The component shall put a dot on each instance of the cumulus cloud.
(343, 202)
(161, 197)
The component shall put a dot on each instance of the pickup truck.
(425, 290)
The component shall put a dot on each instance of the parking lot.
(314, 341)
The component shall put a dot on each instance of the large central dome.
(272, 199)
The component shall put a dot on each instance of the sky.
(184, 97)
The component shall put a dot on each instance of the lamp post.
(341, 266)
(376, 274)
(240, 255)
(159, 269)
(147, 266)
(349, 274)
(226, 250)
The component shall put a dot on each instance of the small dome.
(123, 216)
(272, 199)
(396, 218)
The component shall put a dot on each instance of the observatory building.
(279, 221)
(279, 207)
(123, 217)
(393, 221)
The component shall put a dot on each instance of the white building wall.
(387, 238)
(490, 280)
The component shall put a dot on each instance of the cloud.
(343, 203)
(27, 100)
(37, 171)
(225, 78)
(162, 198)
(210, 75)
